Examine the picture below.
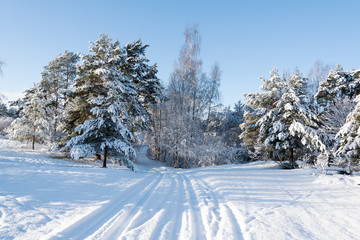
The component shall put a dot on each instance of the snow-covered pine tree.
(328, 88)
(336, 97)
(224, 122)
(257, 104)
(349, 135)
(57, 79)
(147, 85)
(232, 130)
(291, 126)
(5, 111)
(100, 98)
(299, 85)
(31, 126)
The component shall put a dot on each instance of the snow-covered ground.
(45, 198)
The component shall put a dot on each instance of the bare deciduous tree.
(317, 73)
(213, 88)
(1, 66)
(181, 120)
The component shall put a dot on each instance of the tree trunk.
(292, 155)
(105, 156)
(159, 134)
(56, 117)
(33, 136)
(157, 141)
(33, 142)
(187, 161)
(208, 117)
(157, 151)
(176, 163)
(350, 166)
(66, 84)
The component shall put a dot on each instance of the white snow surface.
(46, 198)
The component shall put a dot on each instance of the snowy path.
(43, 198)
(167, 204)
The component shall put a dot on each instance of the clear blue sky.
(247, 38)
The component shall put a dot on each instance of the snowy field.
(44, 198)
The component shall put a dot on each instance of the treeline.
(292, 124)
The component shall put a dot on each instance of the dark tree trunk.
(33, 136)
(105, 156)
(33, 142)
(271, 155)
(176, 163)
(160, 130)
(292, 155)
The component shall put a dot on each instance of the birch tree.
(184, 114)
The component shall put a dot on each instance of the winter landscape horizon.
(123, 120)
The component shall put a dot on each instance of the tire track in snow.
(104, 215)
(156, 216)
(150, 225)
(221, 222)
(172, 206)
(180, 210)
(122, 222)
(191, 219)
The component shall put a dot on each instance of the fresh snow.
(46, 198)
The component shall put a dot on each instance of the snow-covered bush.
(5, 122)
(241, 155)
(322, 162)
(20, 130)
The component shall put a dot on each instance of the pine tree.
(147, 85)
(100, 101)
(257, 104)
(349, 135)
(328, 88)
(291, 126)
(233, 119)
(57, 78)
(299, 85)
(336, 96)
